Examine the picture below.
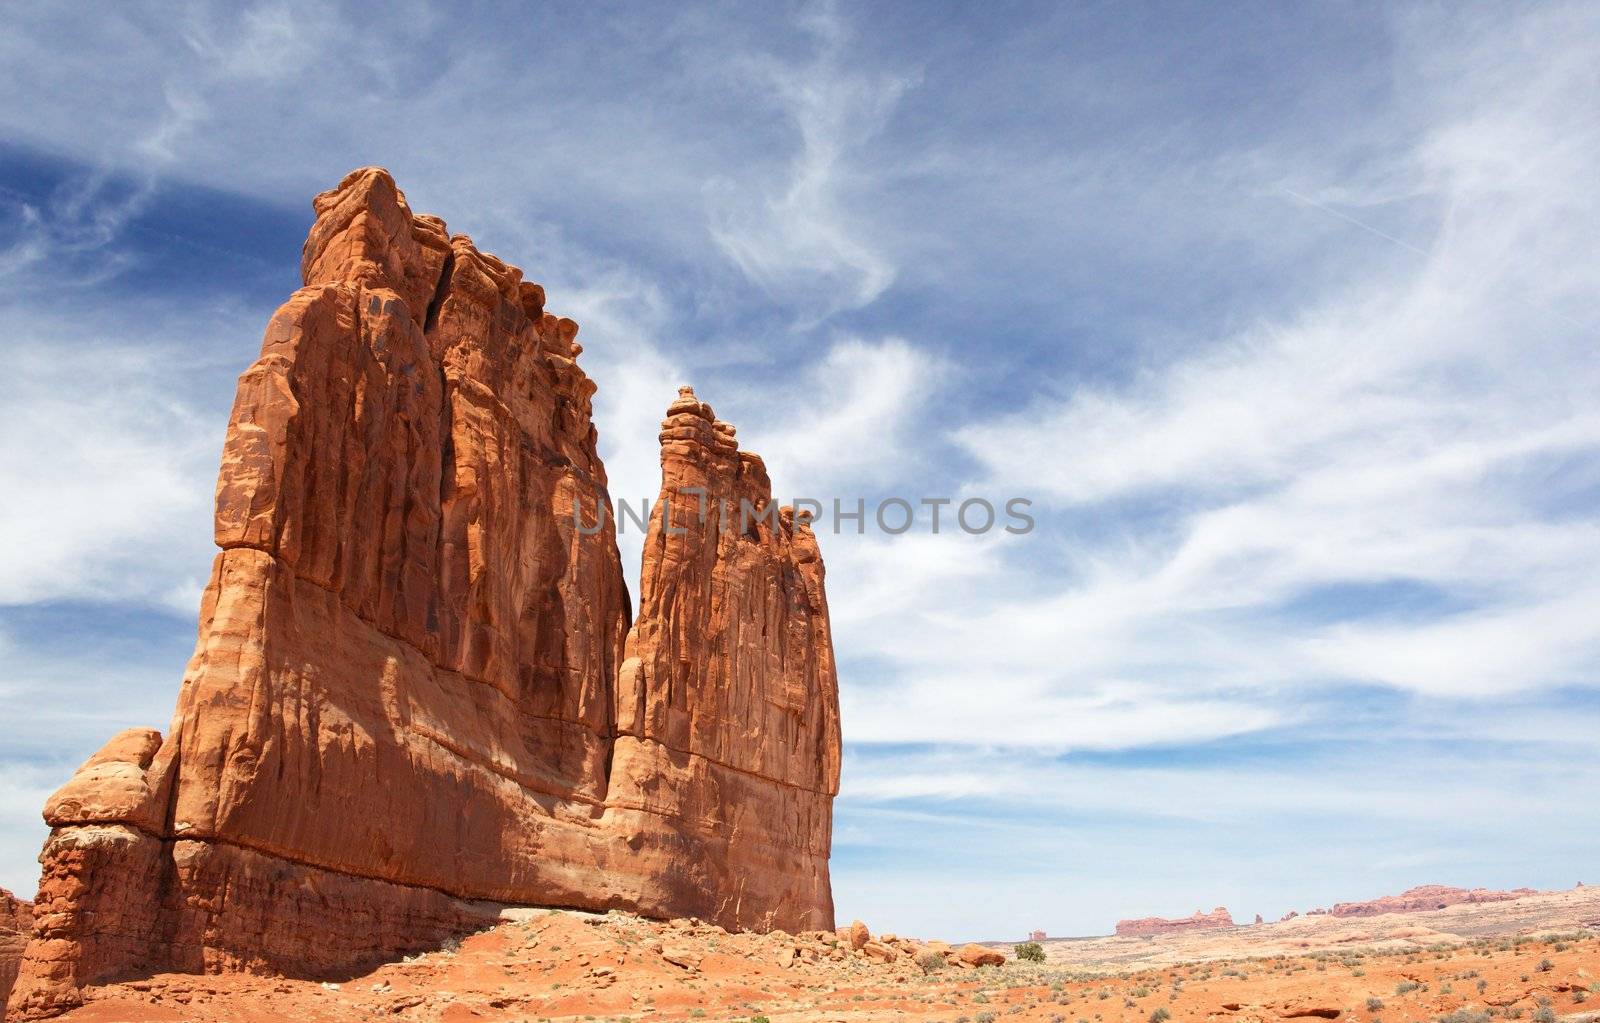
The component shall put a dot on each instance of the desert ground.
(1533, 959)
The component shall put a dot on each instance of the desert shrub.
(1030, 952)
(985, 1017)
(1161, 1015)
(931, 962)
(1374, 1003)
(1545, 966)
(1405, 987)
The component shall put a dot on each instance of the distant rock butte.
(16, 921)
(1425, 897)
(1201, 921)
(416, 693)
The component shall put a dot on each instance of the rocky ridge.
(1426, 897)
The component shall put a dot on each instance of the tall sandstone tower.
(416, 694)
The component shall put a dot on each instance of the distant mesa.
(1421, 899)
(1426, 897)
(1217, 919)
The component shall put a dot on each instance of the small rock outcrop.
(1201, 921)
(977, 955)
(16, 923)
(417, 695)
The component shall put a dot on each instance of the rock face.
(1426, 897)
(727, 705)
(416, 694)
(16, 922)
(1214, 920)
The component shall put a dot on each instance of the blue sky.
(1282, 315)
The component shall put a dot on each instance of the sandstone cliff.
(16, 922)
(1217, 918)
(416, 695)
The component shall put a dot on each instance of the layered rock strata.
(416, 695)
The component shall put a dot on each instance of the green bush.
(1030, 952)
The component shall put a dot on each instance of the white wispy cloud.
(802, 239)
(1405, 426)
(107, 473)
(850, 417)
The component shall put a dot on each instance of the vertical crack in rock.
(417, 693)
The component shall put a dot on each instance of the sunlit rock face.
(417, 694)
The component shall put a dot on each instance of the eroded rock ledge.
(416, 694)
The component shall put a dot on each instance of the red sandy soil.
(574, 966)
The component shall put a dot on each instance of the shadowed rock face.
(416, 695)
(16, 921)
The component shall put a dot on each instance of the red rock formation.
(1426, 897)
(16, 922)
(728, 715)
(405, 707)
(1214, 920)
